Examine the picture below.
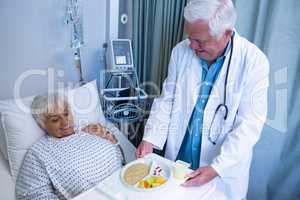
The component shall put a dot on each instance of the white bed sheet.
(7, 187)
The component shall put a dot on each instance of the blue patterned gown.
(62, 168)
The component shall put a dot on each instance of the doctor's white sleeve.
(156, 129)
(249, 120)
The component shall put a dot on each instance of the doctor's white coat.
(246, 99)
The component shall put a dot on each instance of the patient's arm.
(101, 131)
(33, 182)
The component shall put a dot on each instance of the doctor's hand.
(143, 149)
(200, 176)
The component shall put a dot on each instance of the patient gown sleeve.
(33, 182)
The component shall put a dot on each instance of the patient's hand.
(99, 130)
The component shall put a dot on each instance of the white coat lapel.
(215, 97)
(190, 85)
(193, 77)
(217, 93)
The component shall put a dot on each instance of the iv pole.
(77, 60)
(74, 18)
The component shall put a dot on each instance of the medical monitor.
(120, 54)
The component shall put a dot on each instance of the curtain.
(157, 28)
(274, 26)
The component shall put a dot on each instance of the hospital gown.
(62, 168)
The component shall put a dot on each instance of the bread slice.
(135, 173)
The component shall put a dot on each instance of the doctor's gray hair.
(42, 105)
(220, 14)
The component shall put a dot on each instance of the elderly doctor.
(214, 100)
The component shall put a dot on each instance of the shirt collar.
(228, 47)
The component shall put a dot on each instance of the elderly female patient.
(65, 162)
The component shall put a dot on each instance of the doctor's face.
(203, 43)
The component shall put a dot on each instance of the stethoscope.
(221, 108)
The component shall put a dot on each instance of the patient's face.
(59, 122)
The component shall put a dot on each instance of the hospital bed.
(7, 184)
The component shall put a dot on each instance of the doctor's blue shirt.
(191, 145)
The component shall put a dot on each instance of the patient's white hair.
(42, 105)
(220, 14)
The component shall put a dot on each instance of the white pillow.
(21, 131)
(3, 141)
(85, 104)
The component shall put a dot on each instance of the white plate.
(166, 169)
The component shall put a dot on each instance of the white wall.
(33, 35)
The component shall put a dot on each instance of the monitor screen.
(122, 52)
